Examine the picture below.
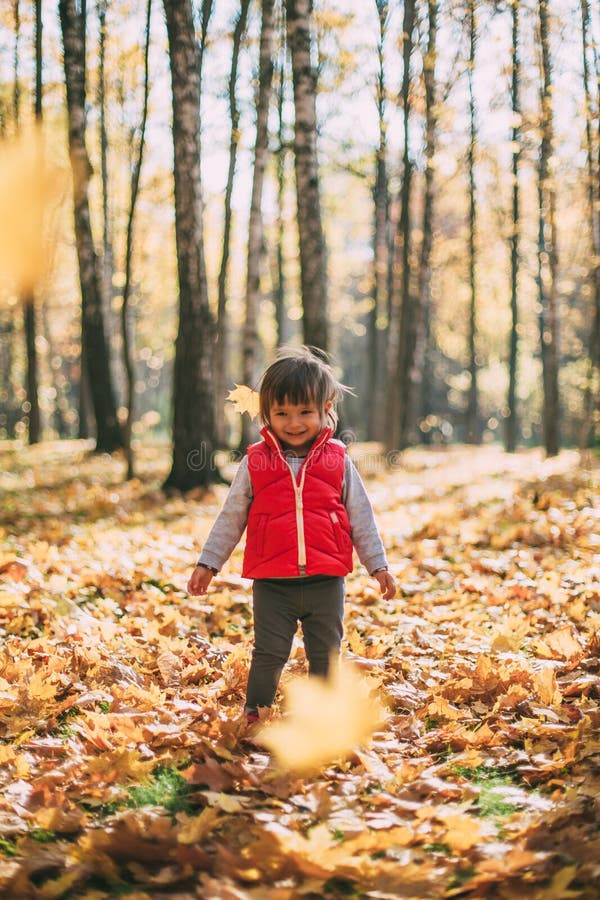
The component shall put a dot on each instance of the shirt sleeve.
(230, 523)
(363, 529)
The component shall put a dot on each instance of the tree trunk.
(234, 139)
(424, 293)
(16, 97)
(107, 253)
(193, 373)
(135, 185)
(591, 423)
(255, 224)
(60, 403)
(512, 421)
(108, 433)
(547, 257)
(402, 402)
(473, 436)
(381, 219)
(281, 319)
(313, 277)
(8, 413)
(28, 298)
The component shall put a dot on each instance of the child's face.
(297, 425)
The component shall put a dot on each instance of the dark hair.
(300, 375)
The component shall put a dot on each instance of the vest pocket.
(261, 533)
(338, 532)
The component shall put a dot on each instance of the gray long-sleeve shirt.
(231, 521)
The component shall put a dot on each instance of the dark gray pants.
(279, 604)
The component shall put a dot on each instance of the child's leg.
(322, 615)
(275, 623)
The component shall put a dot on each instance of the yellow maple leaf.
(245, 400)
(546, 687)
(195, 829)
(439, 708)
(563, 643)
(463, 831)
(326, 720)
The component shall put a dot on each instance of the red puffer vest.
(297, 526)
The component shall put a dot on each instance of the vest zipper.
(298, 488)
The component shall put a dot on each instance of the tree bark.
(402, 401)
(107, 251)
(255, 224)
(547, 255)
(424, 291)
(108, 432)
(313, 277)
(473, 436)
(193, 375)
(512, 421)
(135, 186)
(234, 139)
(281, 319)
(28, 298)
(381, 221)
(591, 423)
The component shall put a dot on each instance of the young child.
(305, 507)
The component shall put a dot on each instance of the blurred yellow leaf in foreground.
(326, 720)
(244, 400)
(29, 189)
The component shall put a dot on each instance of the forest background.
(414, 188)
(456, 182)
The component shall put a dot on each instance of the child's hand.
(200, 579)
(387, 583)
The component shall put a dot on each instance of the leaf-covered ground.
(122, 771)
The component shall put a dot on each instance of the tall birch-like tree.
(107, 250)
(404, 343)
(134, 192)
(547, 250)
(108, 432)
(222, 282)
(313, 268)
(28, 299)
(431, 140)
(473, 436)
(511, 423)
(591, 427)
(255, 224)
(381, 222)
(193, 373)
(279, 276)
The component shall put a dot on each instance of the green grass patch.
(437, 847)
(8, 848)
(112, 888)
(340, 887)
(461, 876)
(491, 780)
(42, 835)
(491, 802)
(166, 788)
(481, 774)
(431, 724)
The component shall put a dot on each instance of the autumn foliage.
(125, 764)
